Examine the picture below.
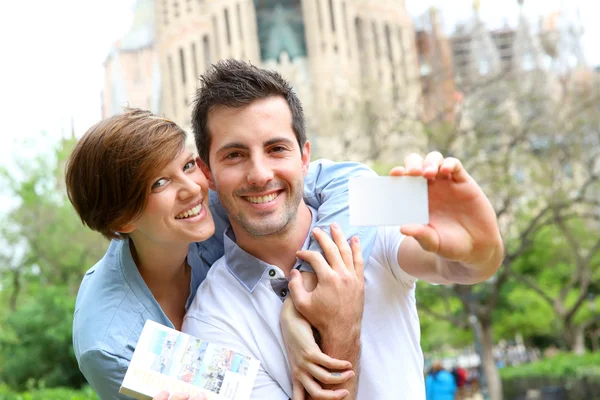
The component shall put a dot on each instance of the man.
(249, 129)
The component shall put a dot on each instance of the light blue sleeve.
(326, 189)
(104, 372)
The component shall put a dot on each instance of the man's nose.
(260, 173)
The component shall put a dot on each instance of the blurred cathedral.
(358, 66)
(335, 53)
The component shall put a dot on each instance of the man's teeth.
(190, 213)
(262, 199)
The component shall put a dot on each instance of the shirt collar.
(246, 268)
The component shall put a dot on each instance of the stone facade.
(338, 54)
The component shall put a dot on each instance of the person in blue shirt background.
(440, 384)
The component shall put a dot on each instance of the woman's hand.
(164, 395)
(308, 364)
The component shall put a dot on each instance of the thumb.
(163, 395)
(425, 235)
(299, 295)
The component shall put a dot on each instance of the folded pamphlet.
(165, 358)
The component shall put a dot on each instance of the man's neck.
(280, 249)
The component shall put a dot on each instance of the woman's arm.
(326, 189)
(104, 372)
(308, 364)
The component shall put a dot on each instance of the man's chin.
(262, 229)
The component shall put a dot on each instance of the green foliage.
(522, 312)
(561, 366)
(47, 254)
(48, 394)
(578, 376)
(438, 309)
(46, 224)
(36, 345)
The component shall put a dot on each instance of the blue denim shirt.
(114, 302)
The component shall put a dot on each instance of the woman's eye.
(189, 165)
(159, 183)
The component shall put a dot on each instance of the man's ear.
(206, 171)
(306, 157)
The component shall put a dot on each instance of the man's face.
(256, 165)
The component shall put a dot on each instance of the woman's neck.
(167, 275)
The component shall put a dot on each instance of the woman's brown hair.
(108, 175)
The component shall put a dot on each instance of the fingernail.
(336, 374)
(335, 226)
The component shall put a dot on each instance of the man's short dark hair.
(233, 83)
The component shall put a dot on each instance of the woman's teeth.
(190, 213)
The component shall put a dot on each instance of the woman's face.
(177, 210)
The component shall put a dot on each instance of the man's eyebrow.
(277, 140)
(233, 145)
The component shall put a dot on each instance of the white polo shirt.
(239, 303)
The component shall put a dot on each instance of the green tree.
(48, 252)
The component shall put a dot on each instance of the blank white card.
(388, 200)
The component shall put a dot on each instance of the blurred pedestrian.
(440, 384)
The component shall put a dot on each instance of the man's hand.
(462, 222)
(335, 306)
(338, 300)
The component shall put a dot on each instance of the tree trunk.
(594, 336)
(16, 290)
(575, 337)
(492, 376)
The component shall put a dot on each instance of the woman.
(131, 179)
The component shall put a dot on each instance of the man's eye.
(231, 156)
(278, 149)
(159, 183)
(189, 165)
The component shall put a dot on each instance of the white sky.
(52, 54)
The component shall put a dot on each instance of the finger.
(328, 362)
(357, 256)
(426, 236)
(199, 397)
(432, 164)
(180, 396)
(298, 392)
(414, 164)
(164, 395)
(329, 377)
(316, 391)
(398, 171)
(300, 296)
(317, 261)
(330, 250)
(343, 247)
(454, 168)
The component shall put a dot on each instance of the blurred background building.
(359, 67)
(335, 52)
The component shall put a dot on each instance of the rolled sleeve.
(104, 372)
